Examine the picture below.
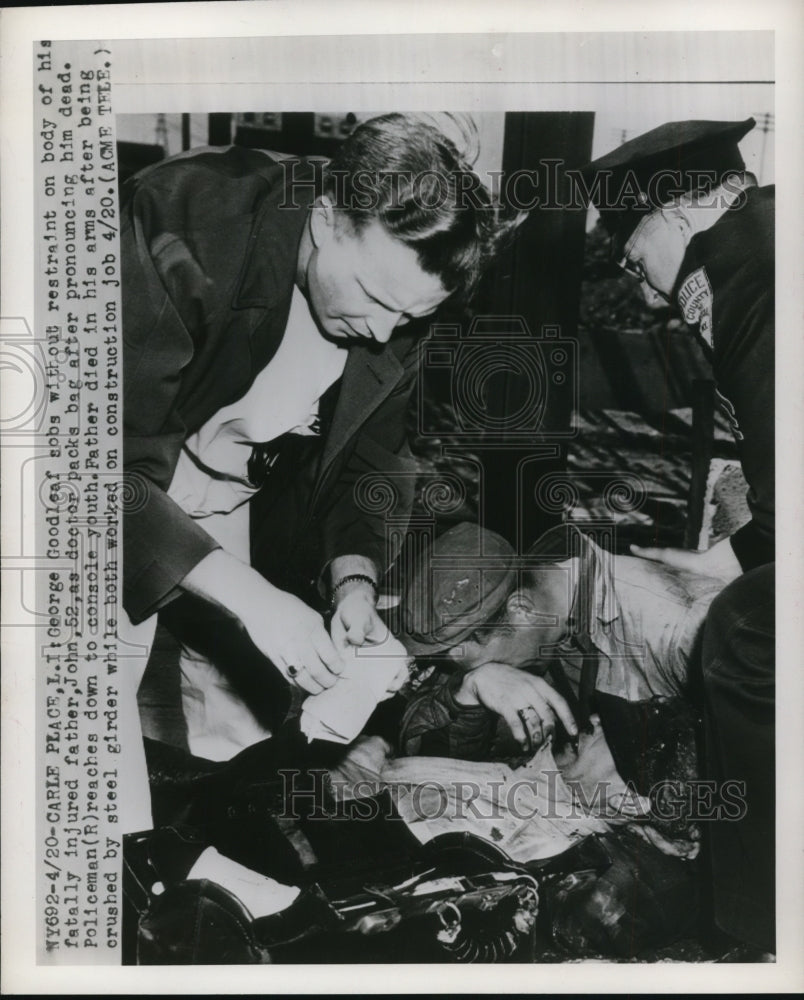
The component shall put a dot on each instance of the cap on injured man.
(466, 577)
(651, 170)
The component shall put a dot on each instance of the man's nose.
(381, 327)
(653, 298)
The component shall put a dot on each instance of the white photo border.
(590, 34)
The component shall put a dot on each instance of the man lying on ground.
(616, 635)
(602, 626)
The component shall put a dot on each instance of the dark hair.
(408, 175)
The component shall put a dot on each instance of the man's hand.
(285, 629)
(295, 639)
(719, 561)
(355, 620)
(688, 850)
(528, 704)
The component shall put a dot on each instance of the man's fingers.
(317, 670)
(556, 704)
(302, 678)
(308, 683)
(356, 634)
(674, 848)
(538, 727)
(337, 633)
(515, 724)
(326, 650)
(377, 631)
(535, 723)
(370, 628)
(314, 663)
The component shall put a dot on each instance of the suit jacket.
(209, 244)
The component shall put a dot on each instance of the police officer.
(692, 226)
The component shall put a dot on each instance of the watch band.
(349, 578)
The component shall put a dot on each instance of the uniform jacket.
(726, 293)
(209, 244)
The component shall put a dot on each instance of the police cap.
(674, 159)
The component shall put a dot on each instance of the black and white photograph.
(555, 630)
(400, 422)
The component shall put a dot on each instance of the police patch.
(695, 302)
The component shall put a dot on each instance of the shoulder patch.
(695, 302)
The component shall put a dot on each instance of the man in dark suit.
(250, 284)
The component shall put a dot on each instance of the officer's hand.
(529, 705)
(355, 620)
(719, 561)
(294, 638)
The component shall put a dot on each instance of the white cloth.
(530, 812)
(260, 895)
(372, 673)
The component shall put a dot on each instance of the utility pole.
(162, 133)
(766, 123)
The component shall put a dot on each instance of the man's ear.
(322, 220)
(521, 608)
(679, 217)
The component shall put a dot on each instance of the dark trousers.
(739, 690)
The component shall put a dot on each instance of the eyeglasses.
(633, 267)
